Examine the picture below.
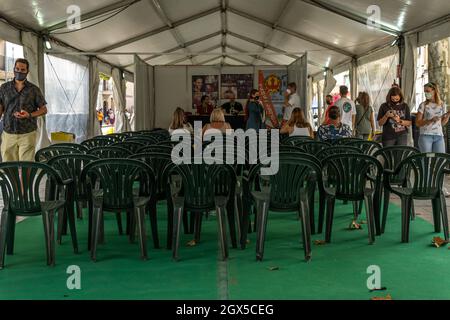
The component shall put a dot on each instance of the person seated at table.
(217, 121)
(335, 129)
(179, 123)
(297, 125)
(232, 107)
(206, 107)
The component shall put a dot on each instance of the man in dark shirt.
(233, 107)
(21, 102)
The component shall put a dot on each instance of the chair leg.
(119, 223)
(444, 216)
(192, 223)
(90, 222)
(355, 205)
(177, 215)
(231, 212)
(238, 216)
(306, 231)
(261, 231)
(198, 226)
(435, 203)
(387, 197)
(10, 232)
(405, 219)
(377, 209)
(49, 227)
(140, 221)
(3, 231)
(368, 199)
(330, 213)
(61, 213)
(79, 205)
(322, 208)
(222, 231)
(186, 224)
(154, 224)
(170, 226)
(72, 226)
(96, 224)
(101, 234)
(311, 208)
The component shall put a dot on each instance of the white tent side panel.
(9, 33)
(434, 34)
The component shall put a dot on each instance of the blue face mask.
(19, 76)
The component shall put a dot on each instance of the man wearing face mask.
(21, 102)
(291, 101)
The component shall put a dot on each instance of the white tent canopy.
(228, 32)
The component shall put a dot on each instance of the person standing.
(291, 101)
(431, 116)
(330, 102)
(254, 111)
(365, 121)
(21, 102)
(395, 118)
(347, 108)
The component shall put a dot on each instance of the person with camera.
(395, 118)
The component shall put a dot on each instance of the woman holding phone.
(431, 116)
(395, 118)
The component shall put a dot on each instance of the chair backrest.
(155, 148)
(117, 178)
(158, 161)
(110, 152)
(199, 183)
(426, 172)
(345, 141)
(349, 174)
(20, 183)
(294, 139)
(132, 146)
(146, 140)
(100, 141)
(336, 150)
(73, 145)
(70, 167)
(119, 136)
(45, 154)
(367, 147)
(312, 147)
(391, 157)
(158, 135)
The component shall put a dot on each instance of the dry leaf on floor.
(319, 242)
(355, 226)
(191, 243)
(438, 242)
(388, 297)
(274, 268)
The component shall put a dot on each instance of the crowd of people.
(106, 116)
(342, 118)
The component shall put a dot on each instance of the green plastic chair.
(334, 150)
(155, 148)
(70, 167)
(20, 182)
(100, 141)
(367, 147)
(391, 157)
(110, 152)
(145, 140)
(349, 176)
(77, 146)
(296, 139)
(159, 161)
(345, 141)
(197, 182)
(311, 147)
(117, 178)
(427, 172)
(45, 154)
(287, 191)
(132, 146)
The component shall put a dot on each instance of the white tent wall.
(298, 73)
(31, 51)
(144, 95)
(172, 90)
(94, 82)
(433, 34)
(9, 33)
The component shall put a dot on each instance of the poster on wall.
(238, 85)
(271, 85)
(205, 86)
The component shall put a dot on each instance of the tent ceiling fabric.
(258, 32)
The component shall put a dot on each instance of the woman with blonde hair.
(431, 116)
(297, 125)
(217, 121)
(179, 123)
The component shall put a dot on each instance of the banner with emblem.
(274, 83)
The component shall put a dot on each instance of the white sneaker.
(446, 192)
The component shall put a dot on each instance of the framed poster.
(205, 86)
(238, 85)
